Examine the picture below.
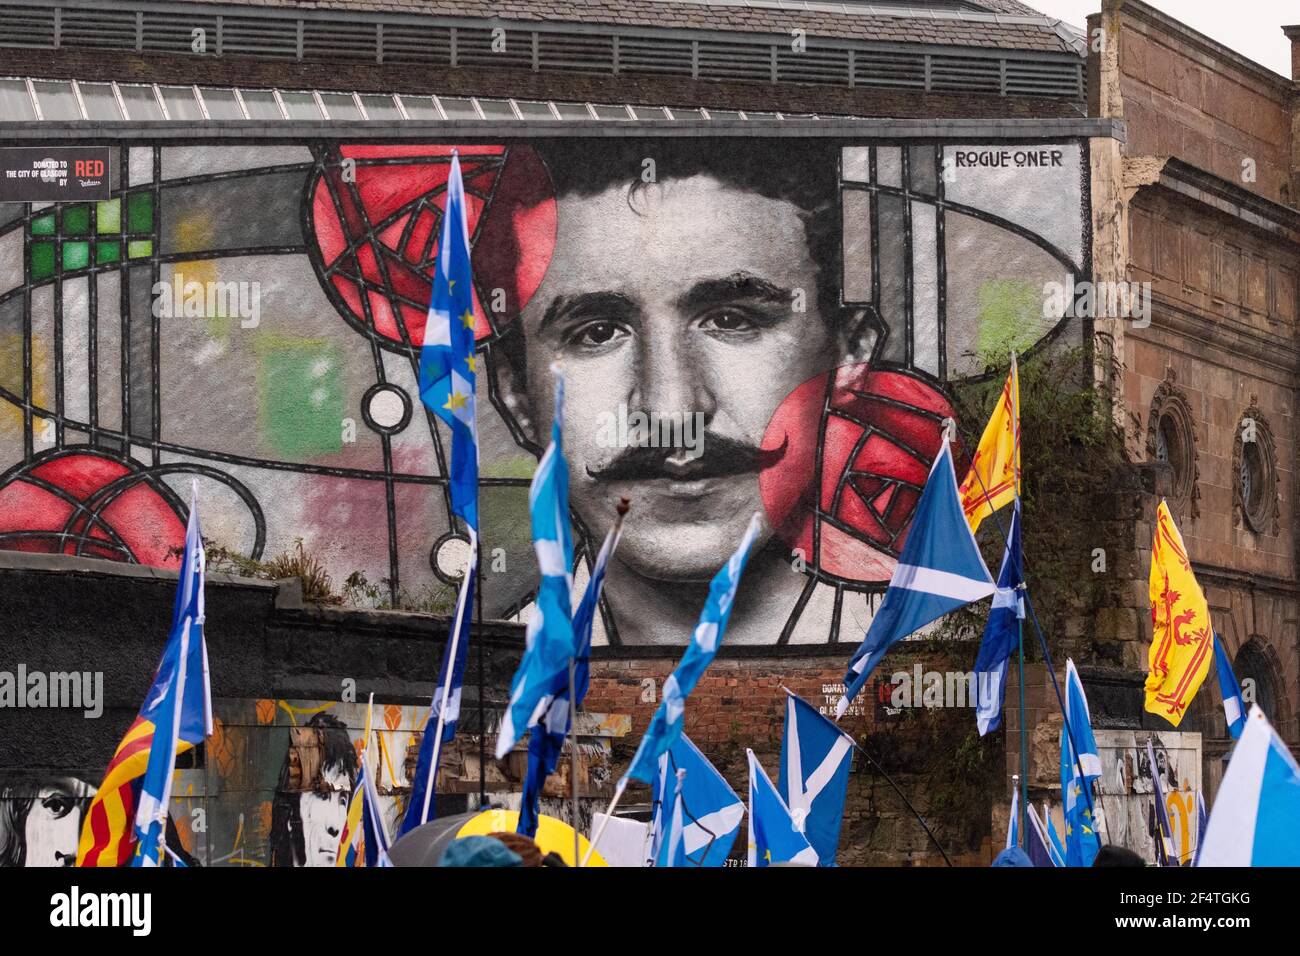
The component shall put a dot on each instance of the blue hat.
(480, 851)
(1012, 856)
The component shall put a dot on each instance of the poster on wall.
(770, 325)
(1127, 792)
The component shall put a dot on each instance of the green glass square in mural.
(76, 220)
(42, 260)
(139, 212)
(139, 248)
(107, 251)
(108, 216)
(301, 396)
(76, 255)
(43, 226)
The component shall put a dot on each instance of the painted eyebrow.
(604, 301)
(737, 286)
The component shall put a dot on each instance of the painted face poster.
(769, 325)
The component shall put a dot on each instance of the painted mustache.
(723, 457)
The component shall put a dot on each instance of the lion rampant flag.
(994, 476)
(1182, 640)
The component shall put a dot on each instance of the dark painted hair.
(288, 847)
(802, 172)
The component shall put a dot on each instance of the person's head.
(696, 284)
(40, 820)
(528, 852)
(1111, 855)
(311, 798)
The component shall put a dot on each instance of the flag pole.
(1020, 618)
(477, 571)
(595, 837)
(446, 685)
(573, 754)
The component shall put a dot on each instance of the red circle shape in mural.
(377, 235)
(880, 432)
(88, 504)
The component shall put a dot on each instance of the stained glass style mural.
(250, 316)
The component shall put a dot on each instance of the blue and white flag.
(1255, 820)
(672, 849)
(1166, 854)
(1001, 634)
(712, 810)
(1202, 821)
(814, 777)
(1038, 846)
(448, 365)
(666, 725)
(1080, 765)
(372, 821)
(1013, 822)
(179, 702)
(940, 570)
(1055, 845)
(421, 807)
(774, 835)
(549, 637)
(547, 738)
(1234, 711)
(447, 377)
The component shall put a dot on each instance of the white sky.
(1251, 27)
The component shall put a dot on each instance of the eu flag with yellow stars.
(447, 361)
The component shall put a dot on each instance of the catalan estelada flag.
(1182, 640)
(994, 476)
(127, 819)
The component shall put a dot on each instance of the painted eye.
(595, 334)
(58, 805)
(727, 320)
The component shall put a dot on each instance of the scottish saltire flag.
(1255, 820)
(448, 365)
(1013, 822)
(549, 639)
(1054, 840)
(814, 777)
(547, 738)
(672, 849)
(1001, 634)
(1234, 711)
(713, 812)
(940, 570)
(774, 835)
(666, 725)
(1202, 821)
(372, 821)
(127, 818)
(451, 677)
(1166, 854)
(1080, 765)
(1038, 845)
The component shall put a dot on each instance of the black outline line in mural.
(323, 153)
(91, 509)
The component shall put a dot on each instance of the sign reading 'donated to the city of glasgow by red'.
(54, 173)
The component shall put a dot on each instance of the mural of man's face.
(691, 298)
(53, 827)
(324, 813)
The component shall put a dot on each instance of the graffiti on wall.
(1127, 789)
(788, 315)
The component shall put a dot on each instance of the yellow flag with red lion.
(994, 476)
(1182, 638)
